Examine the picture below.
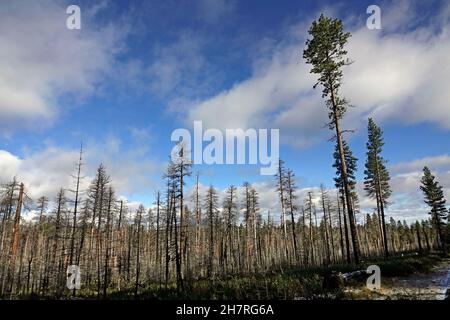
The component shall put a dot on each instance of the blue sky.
(137, 71)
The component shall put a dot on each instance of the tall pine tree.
(434, 197)
(352, 167)
(376, 181)
(326, 53)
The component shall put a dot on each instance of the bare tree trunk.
(16, 236)
(138, 253)
(74, 223)
(107, 231)
(327, 246)
(340, 228)
(158, 251)
(330, 221)
(343, 164)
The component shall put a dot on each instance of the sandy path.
(430, 286)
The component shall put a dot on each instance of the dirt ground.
(434, 285)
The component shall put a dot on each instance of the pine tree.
(174, 193)
(78, 178)
(255, 218)
(325, 51)
(352, 167)
(211, 204)
(109, 217)
(138, 221)
(181, 169)
(376, 181)
(291, 198)
(158, 227)
(198, 220)
(324, 199)
(434, 197)
(231, 213)
(280, 178)
(54, 270)
(309, 204)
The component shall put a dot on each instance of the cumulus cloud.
(441, 162)
(132, 170)
(406, 201)
(42, 60)
(406, 175)
(46, 171)
(278, 83)
(43, 173)
(398, 74)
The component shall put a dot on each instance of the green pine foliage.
(434, 198)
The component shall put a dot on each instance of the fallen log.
(334, 280)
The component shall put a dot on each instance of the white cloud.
(407, 199)
(41, 60)
(399, 75)
(272, 96)
(437, 163)
(8, 164)
(46, 171)
(406, 202)
(43, 173)
(132, 171)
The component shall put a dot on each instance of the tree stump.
(333, 281)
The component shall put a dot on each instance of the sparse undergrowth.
(410, 278)
(291, 284)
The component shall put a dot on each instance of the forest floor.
(431, 285)
(407, 276)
